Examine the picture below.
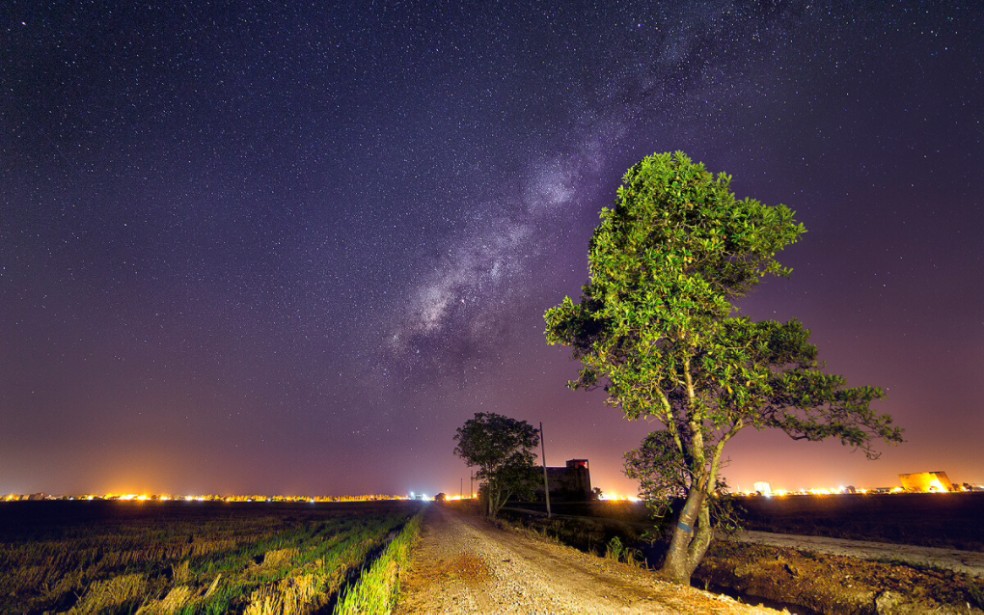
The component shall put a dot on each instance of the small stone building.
(569, 483)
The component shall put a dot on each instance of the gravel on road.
(464, 564)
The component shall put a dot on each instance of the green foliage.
(502, 448)
(217, 559)
(664, 480)
(617, 550)
(378, 588)
(657, 327)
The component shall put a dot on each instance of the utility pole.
(543, 458)
(471, 485)
(461, 486)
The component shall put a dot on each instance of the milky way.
(471, 283)
(278, 249)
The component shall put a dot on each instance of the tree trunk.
(691, 536)
(495, 500)
(496, 505)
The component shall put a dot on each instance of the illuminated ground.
(466, 565)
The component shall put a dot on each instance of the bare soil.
(968, 562)
(465, 564)
(806, 574)
(827, 583)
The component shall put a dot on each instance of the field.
(932, 520)
(805, 581)
(194, 557)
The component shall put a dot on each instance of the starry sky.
(289, 249)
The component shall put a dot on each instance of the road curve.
(464, 564)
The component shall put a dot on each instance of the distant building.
(762, 488)
(571, 482)
(925, 482)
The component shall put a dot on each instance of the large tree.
(502, 449)
(658, 328)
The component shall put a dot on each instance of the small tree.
(656, 327)
(502, 449)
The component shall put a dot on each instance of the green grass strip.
(378, 587)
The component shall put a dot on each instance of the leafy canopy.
(658, 328)
(502, 448)
(657, 323)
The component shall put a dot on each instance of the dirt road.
(969, 562)
(465, 565)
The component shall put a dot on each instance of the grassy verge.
(307, 587)
(378, 587)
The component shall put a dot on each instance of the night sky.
(291, 249)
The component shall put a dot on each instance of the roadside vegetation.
(502, 448)
(212, 558)
(658, 328)
(378, 586)
(803, 580)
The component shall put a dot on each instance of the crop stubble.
(154, 557)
